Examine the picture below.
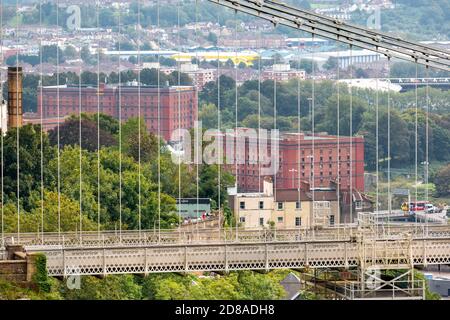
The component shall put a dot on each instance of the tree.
(399, 142)
(330, 64)
(209, 183)
(150, 77)
(305, 64)
(56, 208)
(113, 287)
(106, 122)
(135, 131)
(70, 52)
(361, 73)
(441, 179)
(179, 78)
(212, 37)
(25, 161)
(208, 115)
(242, 65)
(229, 63)
(329, 121)
(90, 78)
(258, 287)
(69, 134)
(86, 55)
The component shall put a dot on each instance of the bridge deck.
(92, 253)
(245, 256)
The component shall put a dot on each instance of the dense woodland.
(107, 186)
(243, 285)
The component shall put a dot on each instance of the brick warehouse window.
(332, 220)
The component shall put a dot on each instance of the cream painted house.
(254, 209)
(292, 209)
(286, 208)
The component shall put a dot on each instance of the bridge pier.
(18, 266)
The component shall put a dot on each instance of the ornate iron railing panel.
(246, 256)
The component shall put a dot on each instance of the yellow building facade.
(286, 208)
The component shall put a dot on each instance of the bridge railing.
(224, 235)
(180, 236)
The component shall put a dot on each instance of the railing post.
(64, 262)
(226, 258)
(424, 253)
(345, 256)
(267, 257)
(146, 262)
(185, 259)
(306, 254)
(104, 262)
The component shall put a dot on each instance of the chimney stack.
(15, 97)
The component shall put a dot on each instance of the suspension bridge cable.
(41, 120)
(299, 165)
(139, 116)
(17, 121)
(275, 187)
(179, 113)
(427, 136)
(219, 134)
(351, 133)
(80, 150)
(416, 127)
(98, 122)
(120, 124)
(3, 105)
(198, 141)
(389, 143)
(338, 128)
(313, 160)
(159, 124)
(236, 156)
(377, 102)
(259, 132)
(58, 125)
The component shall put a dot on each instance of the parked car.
(430, 208)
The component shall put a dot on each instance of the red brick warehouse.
(297, 161)
(178, 104)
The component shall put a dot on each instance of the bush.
(40, 278)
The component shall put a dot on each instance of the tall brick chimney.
(15, 97)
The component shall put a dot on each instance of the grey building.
(193, 208)
(292, 286)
